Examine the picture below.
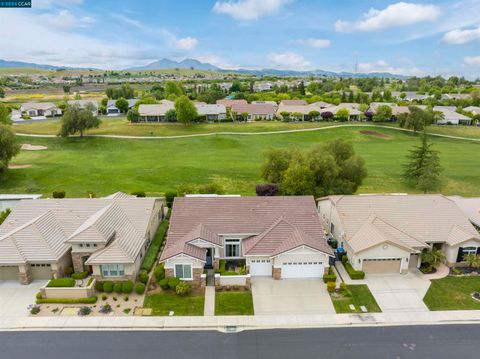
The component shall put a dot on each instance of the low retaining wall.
(241, 280)
(68, 292)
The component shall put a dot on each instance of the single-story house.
(411, 96)
(353, 110)
(112, 108)
(301, 109)
(254, 111)
(34, 109)
(373, 107)
(213, 112)
(108, 237)
(470, 206)
(279, 237)
(451, 117)
(84, 103)
(228, 103)
(473, 109)
(293, 103)
(456, 96)
(155, 112)
(273, 103)
(387, 233)
(12, 200)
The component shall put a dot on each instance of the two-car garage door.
(300, 269)
(382, 265)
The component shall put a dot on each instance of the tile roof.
(38, 106)
(470, 207)
(293, 102)
(254, 109)
(230, 102)
(272, 223)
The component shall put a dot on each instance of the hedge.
(89, 300)
(159, 272)
(108, 287)
(117, 287)
(127, 287)
(143, 276)
(61, 282)
(354, 274)
(164, 284)
(173, 282)
(80, 275)
(139, 288)
(330, 277)
(152, 253)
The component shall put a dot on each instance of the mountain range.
(195, 64)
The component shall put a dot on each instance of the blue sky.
(413, 38)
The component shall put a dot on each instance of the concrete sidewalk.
(238, 323)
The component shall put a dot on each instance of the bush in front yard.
(108, 287)
(344, 259)
(84, 311)
(173, 282)
(143, 276)
(117, 287)
(39, 295)
(183, 288)
(99, 286)
(61, 282)
(159, 272)
(331, 287)
(139, 288)
(89, 300)
(164, 284)
(330, 277)
(354, 274)
(127, 287)
(169, 197)
(80, 275)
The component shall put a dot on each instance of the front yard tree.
(9, 148)
(5, 114)
(77, 120)
(343, 114)
(122, 104)
(383, 114)
(423, 169)
(185, 109)
(432, 258)
(133, 115)
(314, 115)
(277, 161)
(2, 92)
(66, 88)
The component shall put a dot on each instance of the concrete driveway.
(399, 292)
(290, 296)
(15, 298)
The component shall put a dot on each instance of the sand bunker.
(29, 147)
(376, 134)
(17, 167)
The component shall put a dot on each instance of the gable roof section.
(201, 231)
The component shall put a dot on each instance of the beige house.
(35, 109)
(273, 236)
(108, 237)
(387, 233)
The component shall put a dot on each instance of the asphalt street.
(426, 342)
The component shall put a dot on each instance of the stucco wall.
(68, 292)
(183, 259)
(241, 280)
(129, 270)
(451, 252)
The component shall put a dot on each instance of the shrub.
(127, 287)
(152, 253)
(61, 282)
(267, 189)
(354, 274)
(80, 275)
(143, 276)
(344, 259)
(126, 297)
(105, 309)
(58, 194)
(35, 309)
(99, 286)
(104, 297)
(331, 287)
(169, 213)
(330, 277)
(139, 193)
(173, 282)
(159, 272)
(164, 284)
(84, 311)
(89, 300)
(183, 288)
(39, 295)
(117, 287)
(139, 288)
(108, 287)
(343, 286)
(169, 197)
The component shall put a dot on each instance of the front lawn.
(163, 303)
(360, 295)
(233, 303)
(452, 293)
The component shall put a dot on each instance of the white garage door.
(312, 269)
(260, 267)
(40, 271)
(9, 273)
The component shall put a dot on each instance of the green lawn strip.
(453, 293)
(163, 303)
(361, 295)
(233, 303)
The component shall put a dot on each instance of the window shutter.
(460, 255)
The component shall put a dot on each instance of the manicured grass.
(361, 295)
(163, 303)
(233, 303)
(453, 293)
(105, 165)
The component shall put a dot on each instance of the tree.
(383, 114)
(5, 115)
(301, 88)
(4, 215)
(298, 179)
(423, 169)
(122, 104)
(473, 260)
(236, 86)
(327, 115)
(267, 189)
(2, 92)
(133, 115)
(276, 162)
(78, 120)
(171, 116)
(432, 258)
(313, 115)
(173, 89)
(343, 114)
(66, 88)
(124, 91)
(185, 109)
(417, 119)
(9, 148)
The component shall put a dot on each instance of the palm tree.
(473, 260)
(432, 257)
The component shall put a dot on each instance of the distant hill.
(172, 64)
(31, 65)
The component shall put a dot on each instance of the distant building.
(36, 109)
(112, 108)
(451, 117)
(83, 104)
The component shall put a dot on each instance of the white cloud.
(458, 37)
(384, 66)
(394, 15)
(316, 43)
(288, 61)
(216, 61)
(65, 20)
(248, 10)
(186, 43)
(472, 60)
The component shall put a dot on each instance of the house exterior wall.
(451, 252)
(328, 215)
(384, 250)
(301, 254)
(58, 268)
(129, 269)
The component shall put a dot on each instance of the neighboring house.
(321, 104)
(108, 237)
(112, 108)
(353, 109)
(35, 109)
(411, 96)
(254, 111)
(279, 237)
(473, 109)
(387, 233)
(156, 112)
(373, 107)
(456, 96)
(451, 117)
(228, 103)
(16, 115)
(83, 104)
(303, 109)
(293, 103)
(397, 110)
(213, 112)
(273, 103)
(12, 200)
(262, 86)
(471, 208)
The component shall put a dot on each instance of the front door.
(209, 258)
